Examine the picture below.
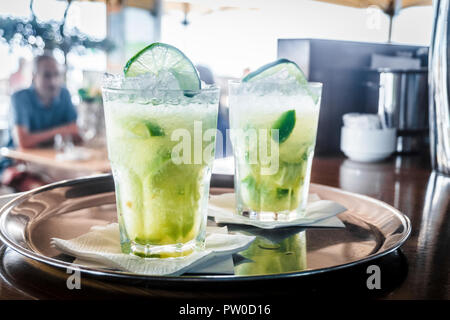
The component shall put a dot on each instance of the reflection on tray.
(272, 257)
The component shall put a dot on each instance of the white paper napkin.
(101, 247)
(319, 213)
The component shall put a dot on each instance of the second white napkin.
(319, 213)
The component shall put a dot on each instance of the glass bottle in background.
(439, 88)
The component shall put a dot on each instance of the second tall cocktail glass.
(273, 132)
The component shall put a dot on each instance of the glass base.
(162, 251)
(272, 216)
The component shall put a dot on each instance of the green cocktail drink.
(274, 114)
(161, 162)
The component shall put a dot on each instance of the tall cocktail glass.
(273, 132)
(161, 149)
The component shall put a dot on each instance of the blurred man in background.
(38, 113)
(43, 110)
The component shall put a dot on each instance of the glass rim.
(313, 84)
(210, 88)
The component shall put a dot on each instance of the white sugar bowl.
(368, 145)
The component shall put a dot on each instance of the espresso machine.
(403, 104)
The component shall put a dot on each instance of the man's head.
(47, 77)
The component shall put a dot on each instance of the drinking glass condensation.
(272, 174)
(161, 166)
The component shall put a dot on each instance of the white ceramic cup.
(368, 145)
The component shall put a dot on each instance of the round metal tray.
(70, 208)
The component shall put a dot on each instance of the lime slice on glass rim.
(275, 67)
(279, 66)
(159, 57)
(156, 59)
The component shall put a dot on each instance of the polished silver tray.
(70, 208)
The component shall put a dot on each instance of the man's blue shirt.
(27, 110)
